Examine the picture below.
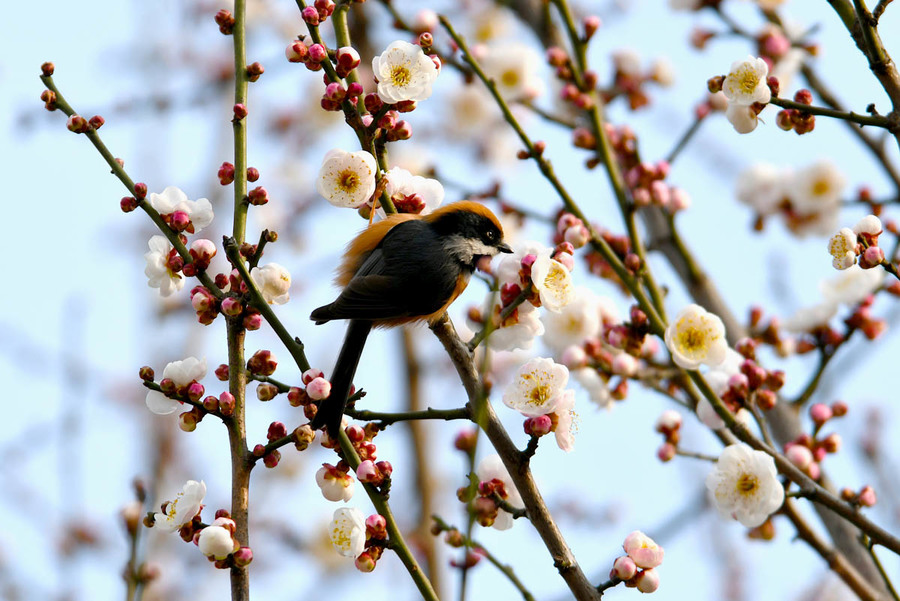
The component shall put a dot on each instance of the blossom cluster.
(637, 568)
(362, 538)
(861, 241)
(216, 540)
(809, 199)
(494, 484)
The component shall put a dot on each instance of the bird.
(403, 269)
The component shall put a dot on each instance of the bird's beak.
(504, 247)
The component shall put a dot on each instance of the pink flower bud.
(317, 53)
(252, 321)
(539, 426)
(77, 124)
(296, 52)
(231, 306)
(647, 581)
(310, 16)
(195, 391)
(385, 468)
(365, 563)
(347, 58)
(179, 221)
(128, 204)
(318, 389)
(258, 196)
(666, 452)
(355, 433)
(187, 421)
(226, 404)
(226, 173)
(376, 526)
(367, 472)
(272, 458)
(800, 456)
(240, 111)
(820, 413)
(276, 430)
(242, 557)
(591, 25)
(466, 440)
(623, 568)
(222, 372)
(867, 497)
(211, 403)
(96, 122)
(262, 363)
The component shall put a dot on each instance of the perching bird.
(402, 269)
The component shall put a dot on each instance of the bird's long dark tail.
(331, 410)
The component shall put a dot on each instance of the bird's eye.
(491, 235)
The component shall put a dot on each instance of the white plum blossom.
(347, 179)
(401, 183)
(852, 285)
(514, 68)
(696, 337)
(173, 199)
(717, 377)
(216, 541)
(627, 61)
(815, 194)
(746, 83)
(181, 373)
(809, 318)
(595, 385)
(348, 531)
(842, 248)
(575, 323)
(520, 335)
(869, 225)
(157, 270)
(553, 282)
(274, 283)
(537, 387)
(490, 468)
(404, 72)
(744, 485)
(742, 117)
(183, 508)
(762, 187)
(334, 484)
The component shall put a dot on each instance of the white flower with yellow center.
(553, 282)
(158, 273)
(183, 509)
(817, 189)
(744, 484)
(514, 68)
(537, 388)
(578, 321)
(347, 179)
(274, 283)
(746, 83)
(348, 531)
(404, 72)
(842, 247)
(696, 337)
